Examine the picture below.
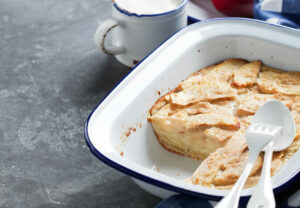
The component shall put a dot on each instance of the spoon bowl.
(276, 113)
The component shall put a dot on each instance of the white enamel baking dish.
(196, 46)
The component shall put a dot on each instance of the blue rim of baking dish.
(183, 3)
(159, 183)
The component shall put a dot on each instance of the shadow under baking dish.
(117, 131)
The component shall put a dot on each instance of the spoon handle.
(231, 200)
(263, 196)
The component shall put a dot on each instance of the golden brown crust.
(206, 116)
(271, 82)
(247, 74)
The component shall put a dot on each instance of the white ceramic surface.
(134, 36)
(190, 49)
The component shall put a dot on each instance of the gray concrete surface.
(51, 77)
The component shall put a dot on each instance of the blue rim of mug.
(181, 6)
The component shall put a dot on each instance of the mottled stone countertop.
(51, 77)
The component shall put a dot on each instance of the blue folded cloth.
(283, 12)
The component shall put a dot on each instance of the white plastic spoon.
(258, 135)
(274, 113)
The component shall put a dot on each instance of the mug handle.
(100, 35)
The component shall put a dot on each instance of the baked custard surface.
(207, 115)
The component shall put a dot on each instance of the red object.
(235, 8)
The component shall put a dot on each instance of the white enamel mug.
(134, 36)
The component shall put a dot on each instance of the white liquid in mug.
(148, 6)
